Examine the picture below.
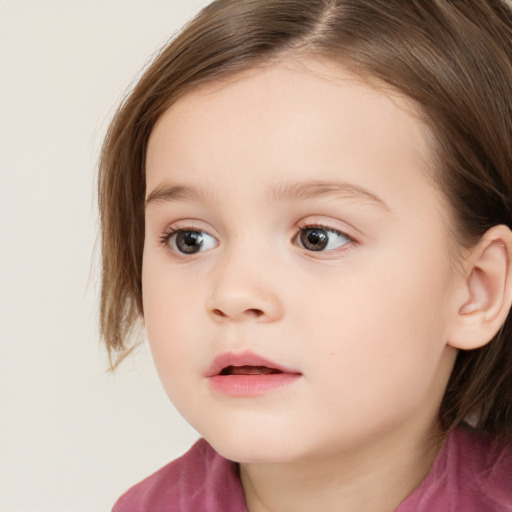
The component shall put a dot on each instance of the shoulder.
(201, 480)
(484, 467)
(473, 473)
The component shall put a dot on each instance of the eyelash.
(169, 232)
(166, 236)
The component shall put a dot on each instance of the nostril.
(251, 312)
(254, 312)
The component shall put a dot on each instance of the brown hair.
(453, 58)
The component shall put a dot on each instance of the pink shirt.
(471, 474)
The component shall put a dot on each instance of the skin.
(366, 321)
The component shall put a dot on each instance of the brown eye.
(320, 239)
(191, 242)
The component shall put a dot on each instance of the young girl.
(308, 204)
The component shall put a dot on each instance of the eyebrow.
(285, 191)
(168, 193)
(314, 189)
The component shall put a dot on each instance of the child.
(308, 203)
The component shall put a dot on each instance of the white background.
(72, 436)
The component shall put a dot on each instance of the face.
(296, 270)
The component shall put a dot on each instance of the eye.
(317, 238)
(188, 241)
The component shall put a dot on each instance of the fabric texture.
(471, 474)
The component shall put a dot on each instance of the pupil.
(314, 239)
(189, 242)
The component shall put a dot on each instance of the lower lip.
(251, 385)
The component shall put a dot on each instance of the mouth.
(249, 370)
(247, 374)
(245, 363)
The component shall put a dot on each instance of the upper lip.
(246, 358)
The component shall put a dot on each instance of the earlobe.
(487, 291)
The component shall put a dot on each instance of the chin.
(254, 446)
(254, 454)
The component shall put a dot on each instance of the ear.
(486, 291)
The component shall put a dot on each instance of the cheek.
(168, 317)
(379, 353)
(381, 325)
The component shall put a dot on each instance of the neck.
(375, 478)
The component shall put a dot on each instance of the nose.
(239, 307)
(240, 294)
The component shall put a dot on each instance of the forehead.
(289, 122)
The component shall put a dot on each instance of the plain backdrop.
(72, 436)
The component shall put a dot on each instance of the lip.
(249, 384)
